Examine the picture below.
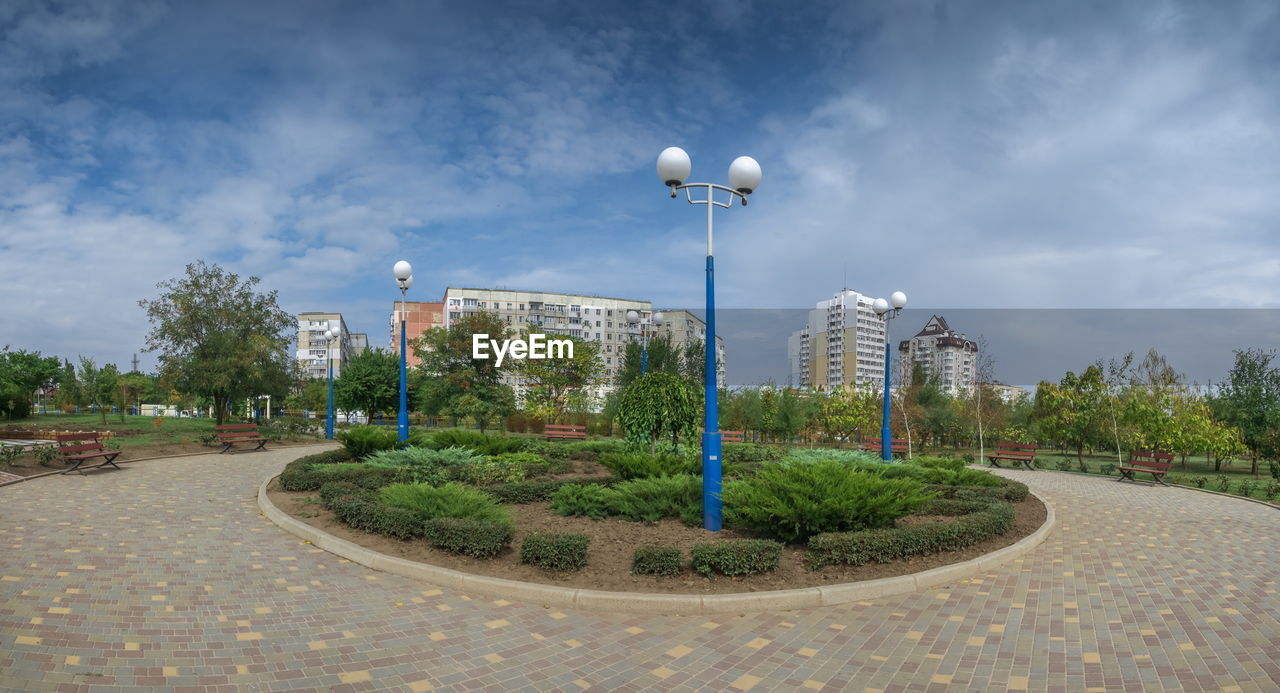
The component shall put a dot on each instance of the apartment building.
(842, 345)
(419, 316)
(596, 318)
(313, 352)
(944, 353)
(683, 327)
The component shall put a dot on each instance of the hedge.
(477, 538)
(657, 560)
(559, 551)
(522, 492)
(885, 545)
(362, 511)
(735, 557)
(301, 475)
(1010, 490)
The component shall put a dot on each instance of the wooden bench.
(230, 434)
(1017, 453)
(873, 445)
(1157, 464)
(564, 432)
(78, 452)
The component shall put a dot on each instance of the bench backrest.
(563, 428)
(1010, 446)
(236, 427)
(92, 445)
(1153, 460)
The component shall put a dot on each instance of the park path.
(165, 575)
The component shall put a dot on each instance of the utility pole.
(135, 363)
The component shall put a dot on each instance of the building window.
(521, 306)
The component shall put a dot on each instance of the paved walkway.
(165, 575)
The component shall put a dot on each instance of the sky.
(976, 155)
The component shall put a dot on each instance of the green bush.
(657, 560)
(739, 453)
(1246, 487)
(488, 471)
(1273, 466)
(734, 557)
(333, 489)
(450, 500)
(476, 538)
(575, 500)
(1272, 489)
(361, 510)
(650, 500)
(644, 465)
(477, 441)
(303, 476)
(1062, 464)
(559, 551)
(534, 491)
(1222, 483)
(792, 502)
(424, 465)
(532, 464)
(949, 463)
(1107, 469)
(1009, 490)
(952, 506)
(822, 454)
(362, 441)
(885, 545)
(1200, 481)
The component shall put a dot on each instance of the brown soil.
(614, 540)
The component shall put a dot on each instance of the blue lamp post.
(887, 310)
(330, 336)
(646, 330)
(403, 272)
(744, 177)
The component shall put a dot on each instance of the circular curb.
(653, 603)
(140, 459)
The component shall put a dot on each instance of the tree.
(70, 393)
(451, 382)
(659, 404)
(664, 357)
(219, 338)
(369, 382)
(1071, 411)
(310, 394)
(844, 414)
(1250, 401)
(99, 384)
(559, 384)
(21, 374)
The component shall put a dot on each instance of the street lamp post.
(330, 335)
(744, 177)
(634, 319)
(887, 310)
(403, 272)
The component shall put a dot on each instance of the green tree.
(369, 382)
(1072, 411)
(99, 384)
(310, 394)
(561, 384)
(21, 374)
(70, 392)
(657, 405)
(219, 338)
(1250, 401)
(664, 357)
(844, 414)
(451, 382)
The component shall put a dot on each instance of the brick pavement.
(164, 575)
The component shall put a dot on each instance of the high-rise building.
(596, 318)
(841, 346)
(943, 353)
(684, 328)
(313, 352)
(420, 316)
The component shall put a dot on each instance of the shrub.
(1272, 489)
(559, 551)
(650, 500)
(488, 471)
(1246, 487)
(817, 455)
(643, 465)
(1273, 466)
(885, 545)
(450, 500)
(1200, 481)
(1010, 490)
(333, 489)
(310, 477)
(792, 502)
(575, 500)
(1223, 483)
(952, 506)
(477, 441)
(1107, 469)
(949, 463)
(476, 538)
(734, 557)
(1063, 465)
(534, 491)
(737, 453)
(532, 464)
(657, 560)
(424, 465)
(362, 441)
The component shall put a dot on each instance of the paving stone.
(165, 575)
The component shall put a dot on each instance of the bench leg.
(1030, 467)
(76, 468)
(261, 446)
(1126, 474)
(111, 461)
(1159, 479)
(225, 447)
(994, 463)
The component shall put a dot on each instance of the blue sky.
(974, 155)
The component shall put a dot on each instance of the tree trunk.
(1080, 453)
(1254, 469)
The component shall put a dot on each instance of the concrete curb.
(56, 472)
(653, 603)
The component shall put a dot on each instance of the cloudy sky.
(973, 154)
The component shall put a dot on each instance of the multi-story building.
(684, 328)
(313, 352)
(1009, 393)
(943, 353)
(841, 346)
(359, 343)
(419, 316)
(596, 318)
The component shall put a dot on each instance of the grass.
(134, 432)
